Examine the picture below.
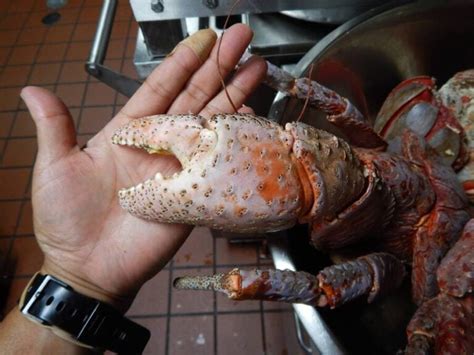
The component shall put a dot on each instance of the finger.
(167, 80)
(246, 109)
(205, 83)
(245, 81)
(54, 124)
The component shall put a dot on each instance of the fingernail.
(23, 94)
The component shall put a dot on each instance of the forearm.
(19, 335)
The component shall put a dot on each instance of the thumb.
(54, 124)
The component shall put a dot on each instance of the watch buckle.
(37, 295)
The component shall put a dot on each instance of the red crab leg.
(456, 272)
(340, 111)
(369, 276)
(445, 322)
(275, 285)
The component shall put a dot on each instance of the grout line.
(64, 24)
(200, 314)
(34, 136)
(56, 62)
(23, 235)
(71, 7)
(262, 315)
(57, 24)
(19, 199)
(168, 310)
(14, 167)
(72, 107)
(62, 42)
(214, 301)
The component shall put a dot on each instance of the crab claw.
(237, 172)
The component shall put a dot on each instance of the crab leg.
(445, 322)
(340, 111)
(370, 276)
(275, 285)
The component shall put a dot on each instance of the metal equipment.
(284, 30)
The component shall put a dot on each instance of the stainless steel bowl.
(363, 60)
(335, 12)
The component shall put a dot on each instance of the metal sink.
(363, 60)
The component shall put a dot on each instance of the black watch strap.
(89, 321)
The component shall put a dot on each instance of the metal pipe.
(94, 66)
(102, 35)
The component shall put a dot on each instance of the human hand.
(88, 240)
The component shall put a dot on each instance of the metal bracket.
(95, 64)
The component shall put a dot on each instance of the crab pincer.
(241, 172)
(216, 156)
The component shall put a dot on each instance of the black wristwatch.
(53, 303)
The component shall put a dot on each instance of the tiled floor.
(53, 57)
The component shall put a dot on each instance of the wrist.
(87, 288)
(18, 335)
(80, 317)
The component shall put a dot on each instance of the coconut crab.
(391, 187)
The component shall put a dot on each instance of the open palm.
(85, 235)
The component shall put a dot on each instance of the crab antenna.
(218, 56)
(310, 91)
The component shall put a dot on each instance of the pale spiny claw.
(237, 172)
